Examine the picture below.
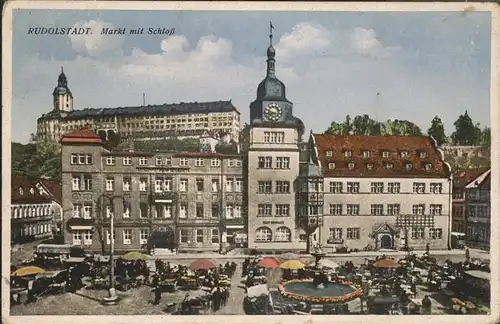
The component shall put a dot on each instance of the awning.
(81, 228)
(163, 200)
(457, 234)
(235, 226)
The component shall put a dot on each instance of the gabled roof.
(367, 156)
(53, 188)
(24, 191)
(482, 181)
(81, 136)
(463, 177)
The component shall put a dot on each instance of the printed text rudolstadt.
(101, 31)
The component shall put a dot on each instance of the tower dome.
(62, 84)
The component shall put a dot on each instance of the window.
(238, 185)
(388, 165)
(230, 163)
(110, 184)
(376, 209)
(386, 154)
(350, 165)
(77, 238)
(353, 233)
(81, 158)
(336, 187)
(143, 184)
(229, 211)
(215, 210)
(366, 154)
(283, 234)
(403, 154)
(143, 236)
(417, 233)
(87, 211)
(419, 187)
(436, 188)
(264, 210)
(347, 153)
(127, 183)
(109, 211)
(198, 162)
(215, 235)
(422, 155)
(409, 166)
(87, 182)
(282, 186)
(377, 187)
(183, 162)
(263, 234)
(200, 213)
(183, 234)
(418, 209)
(237, 211)
(393, 209)
(199, 236)
(214, 162)
(88, 158)
(265, 187)
(127, 236)
(335, 209)
(229, 185)
(199, 184)
(143, 161)
(335, 233)
(282, 210)
(168, 161)
(435, 233)
(265, 162)
(127, 160)
(215, 185)
(393, 187)
(329, 153)
(428, 166)
(331, 165)
(74, 158)
(158, 161)
(282, 162)
(369, 166)
(352, 209)
(183, 211)
(108, 237)
(435, 209)
(143, 210)
(110, 160)
(237, 163)
(126, 211)
(274, 137)
(75, 184)
(183, 185)
(353, 187)
(76, 211)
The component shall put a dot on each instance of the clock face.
(273, 112)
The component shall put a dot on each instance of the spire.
(271, 53)
(62, 70)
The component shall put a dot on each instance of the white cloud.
(305, 38)
(96, 45)
(364, 41)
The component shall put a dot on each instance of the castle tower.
(63, 98)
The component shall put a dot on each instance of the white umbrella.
(324, 263)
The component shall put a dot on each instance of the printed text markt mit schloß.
(104, 31)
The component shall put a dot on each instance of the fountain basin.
(305, 290)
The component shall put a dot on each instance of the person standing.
(216, 299)
(157, 291)
(426, 305)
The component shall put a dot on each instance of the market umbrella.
(27, 271)
(386, 263)
(203, 264)
(292, 264)
(323, 263)
(131, 256)
(268, 263)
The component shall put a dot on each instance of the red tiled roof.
(26, 197)
(81, 136)
(54, 188)
(376, 145)
(463, 177)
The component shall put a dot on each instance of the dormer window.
(386, 154)
(422, 154)
(428, 166)
(331, 166)
(347, 153)
(409, 166)
(403, 154)
(388, 165)
(369, 166)
(21, 191)
(329, 153)
(32, 191)
(366, 154)
(350, 165)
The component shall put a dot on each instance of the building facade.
(33, 211)
(183, 120)
(478, 208)
(173, 200)
(381, 192)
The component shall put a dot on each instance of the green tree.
(342, 128)
(466, 132)
(486, 137)
(437, 131)
(37, 159)
(365, 126)
(401, 128)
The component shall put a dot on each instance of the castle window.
(409, 166)
(329, 153)
(428, 166)
(350, 165)
(21, 191)
(403, 154)
(369, 166)
(110, 160)
(386, 154)
(388, 165)
(366, 154)
(347, 153)
(127, 160)
(422, 154)
(331, 166)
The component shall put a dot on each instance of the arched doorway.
(163, 238)
(385, 241)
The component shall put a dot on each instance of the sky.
(421, 64)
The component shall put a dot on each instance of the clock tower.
(271, 142)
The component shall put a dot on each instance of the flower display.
(330, 300)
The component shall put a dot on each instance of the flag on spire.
(271, 27)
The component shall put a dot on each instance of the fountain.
(319, 289)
